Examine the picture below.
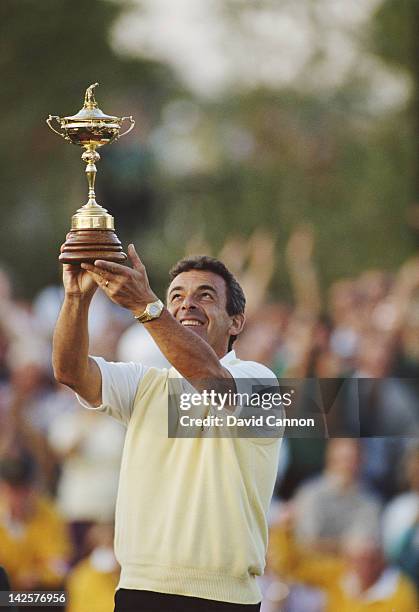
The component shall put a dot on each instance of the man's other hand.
(128, 287)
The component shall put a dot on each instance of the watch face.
(154, 310)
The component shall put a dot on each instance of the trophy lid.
(90, 110)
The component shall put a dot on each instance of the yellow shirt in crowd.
(393, 593)
(38, 549)
(91, 590)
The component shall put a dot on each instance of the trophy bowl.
(92, 235)
(96, 131)
(90, 127)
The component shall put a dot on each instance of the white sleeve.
(119, 386)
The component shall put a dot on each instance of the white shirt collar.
(228, 358)
(384, 587)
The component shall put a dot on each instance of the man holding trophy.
(191, 530)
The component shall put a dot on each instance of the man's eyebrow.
(200, 288)
(176, 289)
(207, 287)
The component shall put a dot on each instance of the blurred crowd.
(345, 514)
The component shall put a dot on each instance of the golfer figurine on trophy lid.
(92, 235)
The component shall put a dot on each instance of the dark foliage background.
(272, 156)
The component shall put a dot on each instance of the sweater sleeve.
(119, 386)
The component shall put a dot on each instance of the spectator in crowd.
(106, 321)
(388, 404)
(34, 546)
(409, 552)
(266, 329)
(28, 392)
(387, 411)
(92, 582)
(89, 447)
(333, 504)
(136, 344)
(356, 579)
(401, 513)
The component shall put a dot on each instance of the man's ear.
(237, 324)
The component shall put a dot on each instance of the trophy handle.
(50, 118)
(130, 127)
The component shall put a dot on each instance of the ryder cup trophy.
(92, 235)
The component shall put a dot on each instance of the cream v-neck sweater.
(191, 513)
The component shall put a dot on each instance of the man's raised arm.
(192, 357)
(70, 355)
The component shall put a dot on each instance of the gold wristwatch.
(152, 311)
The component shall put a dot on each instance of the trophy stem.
(91, 215)
(90, 156)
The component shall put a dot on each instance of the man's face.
(18, 500)
(198, 300)
(366, 561)
(344, 459)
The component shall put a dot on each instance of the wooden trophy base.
(86, 245)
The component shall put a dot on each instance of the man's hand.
(77, 282)
(128, 287)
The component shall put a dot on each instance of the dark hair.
(236, 301)
(17, 471)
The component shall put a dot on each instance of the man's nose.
(188, 303)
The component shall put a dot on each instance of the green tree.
(49, 52)
(329, 155)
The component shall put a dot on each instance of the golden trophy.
(92, 235)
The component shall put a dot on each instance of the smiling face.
(198, 300)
